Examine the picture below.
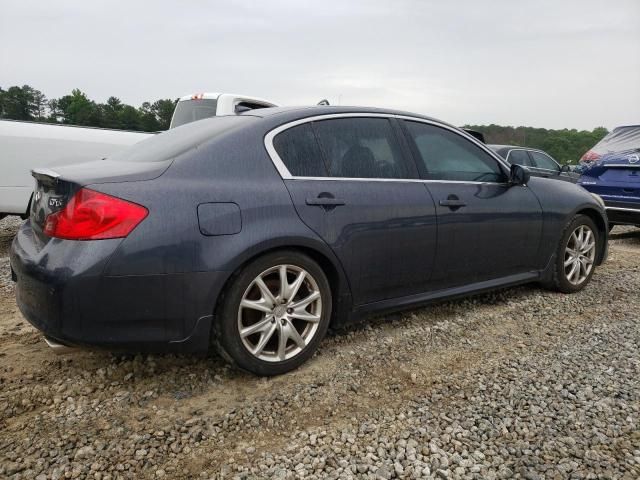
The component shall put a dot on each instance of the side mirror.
(519, 175)
(565, 168)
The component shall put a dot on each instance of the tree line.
(30, 104)
(566, 145)
(27, 103)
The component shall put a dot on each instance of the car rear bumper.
(623, 209)
(623, 215)
(74, 304)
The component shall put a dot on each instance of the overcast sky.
(554, 64)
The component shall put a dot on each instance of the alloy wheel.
(279, 313)
(579, 255)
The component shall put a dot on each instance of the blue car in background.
(611, 169)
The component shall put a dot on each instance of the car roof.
(510, 147)
(626, 126)
(317, 110)
(502, 148)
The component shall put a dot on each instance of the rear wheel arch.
(340, 289)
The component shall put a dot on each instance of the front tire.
(274, 313)
(576, 255)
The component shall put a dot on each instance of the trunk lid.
(54, 188)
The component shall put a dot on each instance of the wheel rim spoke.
(267, 296)
(258, 305)
(282, 344)
(304, 315)
(283, 294)
(306, 301)
(573, 271)
(256, 327)
(295, 286)
(264, 339)
(295, 336)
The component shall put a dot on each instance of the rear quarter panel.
(234, 169)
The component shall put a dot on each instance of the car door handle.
(453, 203)
(325, 202)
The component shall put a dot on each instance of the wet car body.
(218, 198)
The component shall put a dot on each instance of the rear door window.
(361, 148)
(519, 157)
(299, 151)
(447, 155)
(543, 161)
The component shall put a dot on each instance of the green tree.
(129, 118)
(156, 116)
(566, 146)
(2, 92)
(148, 119)
(27, 103)
(111, 112)
(77, 109)
(22, 103)
(163, 109)
(40, 105)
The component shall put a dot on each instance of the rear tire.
(274, 313)
(576, 255)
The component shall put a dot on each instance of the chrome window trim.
(286, 175)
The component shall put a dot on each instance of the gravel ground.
(521, 383)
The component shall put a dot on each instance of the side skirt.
(420, 299)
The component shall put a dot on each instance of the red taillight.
(590, 156)
(92, 215)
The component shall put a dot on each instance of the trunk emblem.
(635, 158)
(55, 202)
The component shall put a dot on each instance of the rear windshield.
(621, 139)
(172, 143)
(188, 111)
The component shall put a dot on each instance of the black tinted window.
(298, 149)
(519, 157)
(449, 156)
(360, 148)
(542, 160)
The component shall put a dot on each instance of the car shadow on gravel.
(627, 233)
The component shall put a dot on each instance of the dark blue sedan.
(254, 233)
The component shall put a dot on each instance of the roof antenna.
(324, 101)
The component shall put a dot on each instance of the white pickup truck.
(27, 145)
